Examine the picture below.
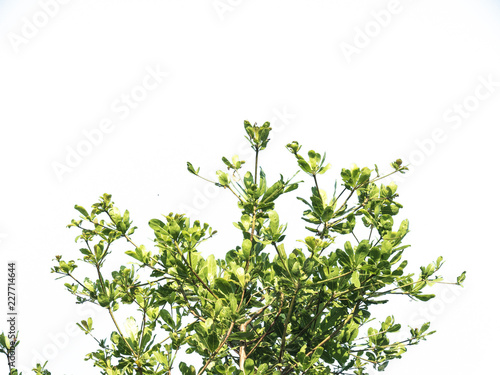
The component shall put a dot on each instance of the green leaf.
(364, 176)
(4, 341)
(249, 366)
(291, 187)
(233, 303)
(131, 328)
(115, 215)
(167, 318)
(103, 300)
(355, 279)
(212, 268)
(192, 170)
(212, 342)
(461, 278)
(424, 297)
(223, 178)
(227, 162)
(273, 221)
(246, 221)
(304, 165)
(362, 251)
(273, 192)
(262, 183)
(327, 214)
(240, 274)
(223, 286)
(322, 170)
(262, 369)
(82, 210)
(246, 247)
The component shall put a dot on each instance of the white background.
(345, 77)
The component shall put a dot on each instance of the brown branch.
(217, 350)
(335, 333)
(193, 271)
(288, 317)
(269, 330)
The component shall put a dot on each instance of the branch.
(193, 271)
(288, 316)
(268, 330)
(218, 349)
(335, 333)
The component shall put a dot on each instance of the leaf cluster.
(264, 308)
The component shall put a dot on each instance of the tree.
(263, 308)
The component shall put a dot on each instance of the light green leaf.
(246, 247)
(82, 210)
(355, 279)
(223, 178)
(131, 328)
(212, 268)
(273, 221)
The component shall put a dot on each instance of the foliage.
(263, 308)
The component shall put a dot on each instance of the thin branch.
(193, 271)
(336, 332)
(288, 317)
(209, 360)
(269, 330)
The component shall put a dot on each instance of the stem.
(337, 198)
(268, 330)
(103, 286)
(365, 183)
(120, 332)
(243, 327)
(193, 271)
(218, 349)
(317, 187)
(355, 236)
(329, 337)
(143, 326)
(288, 317)
(189, 308)
(335, 333)
(282, 260)
(236, 195)
(318, 313)
(256, 163)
